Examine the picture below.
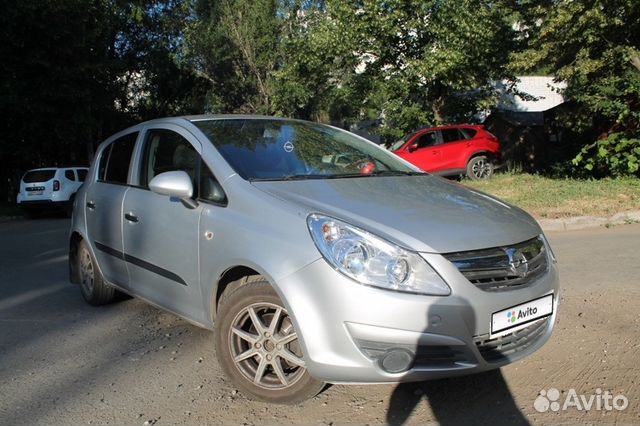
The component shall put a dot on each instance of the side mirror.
(174, 184)
(412, 147)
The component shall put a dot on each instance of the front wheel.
(258, 347)
(479, 168)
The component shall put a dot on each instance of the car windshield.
(273, 149)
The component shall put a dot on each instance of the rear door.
(103, 207)
(160, 234)
(454, 149)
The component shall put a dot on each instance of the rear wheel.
(479, 168)
(93, 287)
(30, 212)
(258, 347)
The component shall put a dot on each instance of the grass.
(556, 198)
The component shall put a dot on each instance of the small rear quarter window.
(468, 133)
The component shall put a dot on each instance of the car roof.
(452, 126)
(207, 117)
(204, 117)
(57, 168)
(192, 119)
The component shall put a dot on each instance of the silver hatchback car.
(314, 255)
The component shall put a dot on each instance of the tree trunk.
(635, 61)
(437, 106)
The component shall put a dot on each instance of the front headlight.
(370, 260)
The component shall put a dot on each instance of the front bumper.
(346, 328)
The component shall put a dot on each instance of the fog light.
(396, 360)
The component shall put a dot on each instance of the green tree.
(316, 78)
(593, 45)
(233, 45)
(411, 61)
(150, 44)
(58, 74)
(73, 72)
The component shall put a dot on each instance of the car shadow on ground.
(482, 398)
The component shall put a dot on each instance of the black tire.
(31, 213)
(272, 369)
(479, 168)
(94, 289)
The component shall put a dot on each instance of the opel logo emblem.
(288, 146)
(517, 262)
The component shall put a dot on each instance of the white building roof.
(545, 94)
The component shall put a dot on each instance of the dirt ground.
(63, 362)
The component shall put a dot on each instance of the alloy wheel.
(265, 347)
(481, 168)
(87, 273)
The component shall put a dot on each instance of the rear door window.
(39, 176)
(451, 135)
(69, 175)
(115, 160)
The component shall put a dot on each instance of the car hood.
(421, 213)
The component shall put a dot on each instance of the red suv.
(451, 150)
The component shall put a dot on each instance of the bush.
(617, 155)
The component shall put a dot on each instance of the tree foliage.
(74, 71)
(595, 47)
(233, 44)
(410, 61)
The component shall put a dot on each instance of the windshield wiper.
(338, 176)
(290, 177)
(396, 173)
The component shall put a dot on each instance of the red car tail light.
(56, 185)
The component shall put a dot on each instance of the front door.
(424, 151)
(160, 233)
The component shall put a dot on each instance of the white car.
(50, 188)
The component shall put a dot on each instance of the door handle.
(91, 205)
(131, 217)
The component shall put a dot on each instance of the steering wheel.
(365, 166)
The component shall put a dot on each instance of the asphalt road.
(64, 362)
